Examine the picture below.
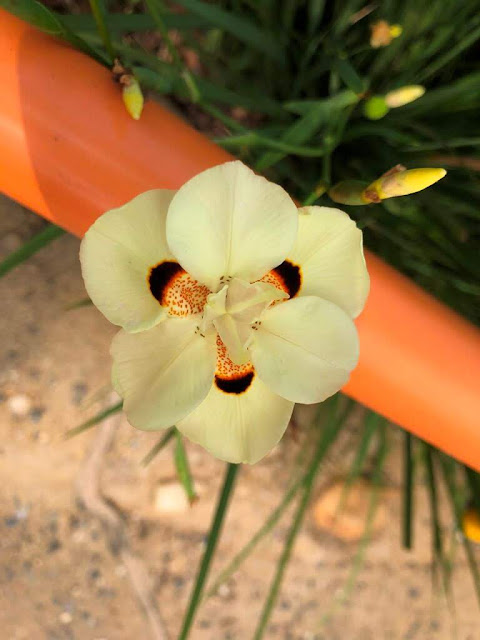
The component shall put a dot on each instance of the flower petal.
(329, 253)
(239, 427)
(304, 349)
(117, 254)
(227, 221)
(163, 374)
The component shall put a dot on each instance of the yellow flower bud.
(375, 108)
(382, 33)
(402, 183)
(396, 30)
(349, 192)
(404, 95)
(133, 98)
(471, 524)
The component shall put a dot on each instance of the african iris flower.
(233, 304)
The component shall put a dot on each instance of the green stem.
(98, 11)
(326, 439)
(213, 537)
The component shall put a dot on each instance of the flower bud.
(375, 108)
(402, 183)
(404, 95)
(471, 524)
(382, 33)
(348, 192)
(132, 97)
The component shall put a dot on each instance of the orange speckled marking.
(286, 277)
(184, 295)
(231, 377)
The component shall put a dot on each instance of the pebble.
(65, 617)
(19, 405)
(36, 414)
(171, 498)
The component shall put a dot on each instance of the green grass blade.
(92, 422)
(327, 437)
(119, 23)
(49, 22)
(252, 139)
(79, 304)
(183, 468)
(155, 450)
(245, 30)
(473, 480)
(213, 537)
(30, 247)
(457, 503)
(349, 75)
(372, 424)
(100, 13)
(408, 484)
(359, 558)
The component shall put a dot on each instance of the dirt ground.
(62, 577)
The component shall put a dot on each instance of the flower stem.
(213, 538)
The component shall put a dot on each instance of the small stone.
(65, 617)
(54, 545)
(347, 522)
(19, 405)
(171, 498)
(36, 414)
(224, 591)
(79, 391)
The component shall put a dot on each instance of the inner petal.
(176, 290)
(233, 311)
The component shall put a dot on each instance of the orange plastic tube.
(69, 152)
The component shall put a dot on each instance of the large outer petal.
(227, 221)
(164, 373)
(239, 428)
(329, 253)
(117, 253)
(305, 349)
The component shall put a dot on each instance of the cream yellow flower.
(234, 305)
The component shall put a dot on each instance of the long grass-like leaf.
(155, 450)
(213, 537)
(40, 240)
(327, 437)
(92, 422)
(408, 484)
(183, 468)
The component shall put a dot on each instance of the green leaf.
(349, 75)
(242, 28)
(49, 22)
(408, 483)
(327, 105)
(92, 422)
(30, 247)
(119, 23)
(183, 468)
(100, 14)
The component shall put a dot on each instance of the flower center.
(234, 312)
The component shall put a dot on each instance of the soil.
(61, 575)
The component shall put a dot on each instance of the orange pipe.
(70, 152)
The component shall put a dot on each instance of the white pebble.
(171, 498)
(19, 405)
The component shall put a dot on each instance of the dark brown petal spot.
(237, 385)
(160, 277)
(291, 277)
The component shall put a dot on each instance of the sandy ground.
(60, 579)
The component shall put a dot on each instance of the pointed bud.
(375, 108)
(471, 524)
(382, 33)
(402, 183)
(349, 192)
(132, 97)
(404, 95)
